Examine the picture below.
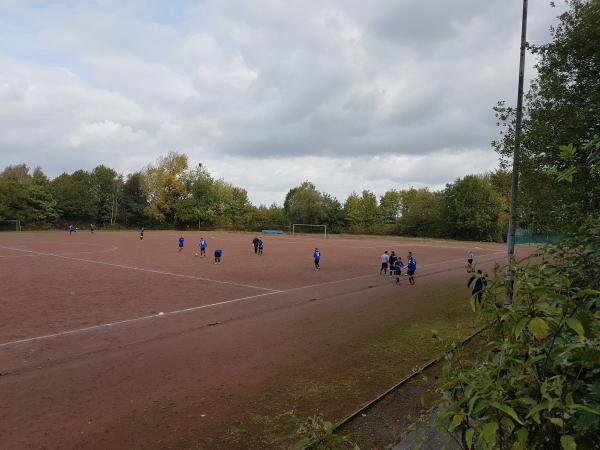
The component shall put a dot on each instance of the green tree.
(501, 182)
(369, 210)
(107, 191)
(303, 204)
(267, 218)
(562, 107)
(134, 200)
(475, 210)
(75, 196)
(423, 213)
(41, 200)
(233, 206)
(352, 210)
(212, 202)
(164, 186)
(334, 213)
(390, 204)
(14, 187)
(361, 212)
(201, 185)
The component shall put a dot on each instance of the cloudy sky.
(349, 94)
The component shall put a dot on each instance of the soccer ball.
(195, 254)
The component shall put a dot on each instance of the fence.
(526, 237)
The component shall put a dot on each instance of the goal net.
(305, 228)
(10, 225)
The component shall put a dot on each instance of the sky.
(351, 95)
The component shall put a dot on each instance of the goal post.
(298, 228)
(10, 225)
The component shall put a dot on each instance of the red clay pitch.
(107, 341)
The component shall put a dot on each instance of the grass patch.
(367, 367)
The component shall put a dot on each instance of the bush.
(536, 384)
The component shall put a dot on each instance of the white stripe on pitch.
(142, 269)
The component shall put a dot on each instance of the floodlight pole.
(512, 221)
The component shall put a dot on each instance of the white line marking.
(104, 247)
(224, 302)
(195, 308)
(17, 256)
(142, 269)
(178, 311)
(328, 282)
(137, 319)
(106, 250)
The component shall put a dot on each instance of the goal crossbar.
(310, 225)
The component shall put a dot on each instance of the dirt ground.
(107, 341)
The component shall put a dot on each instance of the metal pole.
(512, 222)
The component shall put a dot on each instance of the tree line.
(170, 193)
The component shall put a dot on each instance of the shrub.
(536, 383)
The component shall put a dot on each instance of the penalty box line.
(142, 269)
(195, 308)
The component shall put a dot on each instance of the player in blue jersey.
(391, 261)
(317, 258)
(71, 229)
(181, 241)
(218, 254)
(398, 265)
(411, 268)
(202, 245)
(260, 246)
(142, 234)
(477, 283)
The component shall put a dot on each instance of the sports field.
(107, 341)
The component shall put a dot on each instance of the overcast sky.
(349, 94)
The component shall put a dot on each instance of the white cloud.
(351, 95)
(269, 179)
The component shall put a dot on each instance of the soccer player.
(255, 242)
(411, 268)
(202, 245)
(317, 258)
(71, 229)
(398, 265)
(91, 228)
(181, 241)
(218, 254)
(384, 263)
(477, 283)
(470, 258)
(260, 246)
(142, 234)
(392, 260)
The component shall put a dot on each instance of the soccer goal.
(298, 228)
(10, 225)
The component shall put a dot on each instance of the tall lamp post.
(512, 222)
